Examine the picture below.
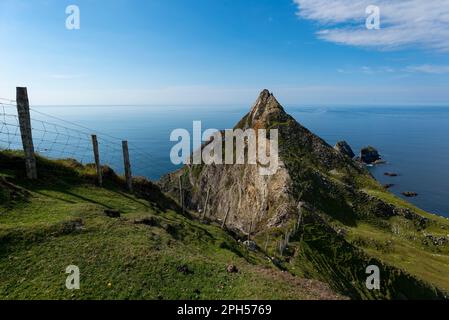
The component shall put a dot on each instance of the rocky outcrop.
(391, 174)
(257, 202)
(382, 209)
(409, 194)
(344, 148)
(369, 155)
(310, 171)
(437, 241)
(314, 187)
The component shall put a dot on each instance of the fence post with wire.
(23, 110)
(97, 160)
(127, 165)
(26, 128)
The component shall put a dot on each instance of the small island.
(409, 194)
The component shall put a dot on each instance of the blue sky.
(220, 52)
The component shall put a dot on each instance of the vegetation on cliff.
(152, 251)
(317, 224)
(322, 215)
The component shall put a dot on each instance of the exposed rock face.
(310, 171)
(369, 155)
(314, 184)
(436, 240)
(259, 202)
(344, 148)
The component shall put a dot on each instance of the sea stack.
(344, 148)
(369, 155)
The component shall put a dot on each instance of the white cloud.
(424, 68)
(428, 68)
(404, 23)
(368, 70)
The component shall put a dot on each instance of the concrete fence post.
(23, 110)
(127, 164)
(97, 160)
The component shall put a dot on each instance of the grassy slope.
(393, 242)
(399, 243)
(60, 221)
(411, 268)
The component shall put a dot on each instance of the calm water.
(414, 140)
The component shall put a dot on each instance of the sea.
(413, 140)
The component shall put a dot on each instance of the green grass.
(320, 253)
(408, 249)
(405, 250)
(59, 221)
(410, 266)
(397, 242)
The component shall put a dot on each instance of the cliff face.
(255, 201)
(344, 148)
(302, 213)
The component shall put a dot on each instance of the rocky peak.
(315, 189)
(259, 202)
(265, 111)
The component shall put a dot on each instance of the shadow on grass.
(64, 175)
(54, 197)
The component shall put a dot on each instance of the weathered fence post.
(205, 205)
(23, 110)
(223, 225)
(266, 244)
(97, 160)
(250, 230)
(127, 163)
(181, 195)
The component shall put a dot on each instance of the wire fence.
(57, 138)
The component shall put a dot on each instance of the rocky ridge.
(315, 187)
